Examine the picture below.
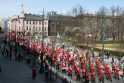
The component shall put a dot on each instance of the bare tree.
(78, 10)
(75, 11)
(115, 29)
(101, 15)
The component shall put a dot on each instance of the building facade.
(29, 23)
(86, 24)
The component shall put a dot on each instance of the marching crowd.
(83, 65)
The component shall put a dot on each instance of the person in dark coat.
(33, 73)
(0, 69)
(64, 80)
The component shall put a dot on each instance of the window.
(33, 22)
(36, 28)
(39, 28)
(27, 27)
(44, 28)
(39, 22)
(27, 22)
(42, 23)
(33, 28)
(45, 23)
(30, 28)
(36, 22)
(30, 22)
(19, 21)
(19, 28)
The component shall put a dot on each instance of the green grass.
(113, 48)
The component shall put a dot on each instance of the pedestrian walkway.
(18, 72)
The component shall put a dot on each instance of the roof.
(33, 17)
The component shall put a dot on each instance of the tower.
(21, 14)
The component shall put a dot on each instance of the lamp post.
(43, 32)
(103, 30)
(15, 37)
(102, 34)
(42, 51)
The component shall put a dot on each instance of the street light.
(42, 51)
(103, 30)
(15, 37)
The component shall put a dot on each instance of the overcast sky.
(12, 7)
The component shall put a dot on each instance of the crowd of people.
(82, 65)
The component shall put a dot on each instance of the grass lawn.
(108, 45)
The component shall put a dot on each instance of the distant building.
(4, 23)
(29, 23)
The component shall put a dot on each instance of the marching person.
(77, 74)
(113, 67)
(83, 73)
(93, 76)
(87, 77)
(70, 71)
(117, 73)
(63, 67)
(101, 76)
(109, 75)
(123, 71)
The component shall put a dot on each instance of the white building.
(30, 23)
